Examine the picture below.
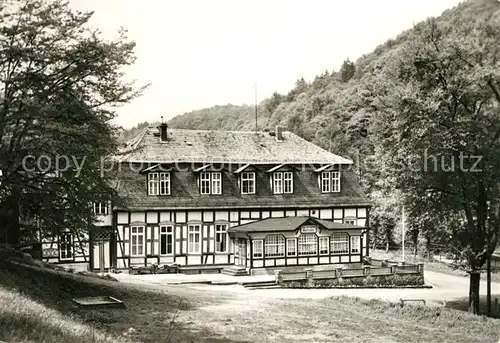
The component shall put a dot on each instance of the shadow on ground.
(462, 304)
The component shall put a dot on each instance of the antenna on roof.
(256, 127)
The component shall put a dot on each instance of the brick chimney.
(163, 132)
(279, 133)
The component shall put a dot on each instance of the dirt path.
(445, 288)
(232, 313)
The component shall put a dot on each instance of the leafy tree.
(59, 85)
(347, 70)
(440, 128)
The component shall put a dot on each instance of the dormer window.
(330, 181)
(210, 183)
(159, 183)
(248, 183)
(101, 208)
(282, 182)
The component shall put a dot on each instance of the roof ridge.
(217, 130)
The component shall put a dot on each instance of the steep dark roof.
(289, 224)
(225, 147)
(185, 193)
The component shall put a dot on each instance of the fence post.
(309, 277)
(338, 273)
(420, 268)
(394, 268)
(278, 278)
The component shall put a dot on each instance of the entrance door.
(101, 253)
(240, 257)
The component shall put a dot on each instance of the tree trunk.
(428, 249)
(475, 277)
(9, 220)
(387, 246)
(488, 286)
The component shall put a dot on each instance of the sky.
(201, 53)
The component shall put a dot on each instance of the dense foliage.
(59, 83)
(433, 92)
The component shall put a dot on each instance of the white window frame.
(153, 184)
(167, 231)
(205, 183)
(287, 182)
(329, 181)
(216, 183)
(101, 208)
(355, 244)
(274, 246)
(258, 248)
(339, 243)
(291, 247)
(211, 183)
(336, 181)
(66, 247)
(278, 183)
(248, 178)
(140, 240)
(307, 240)
(194, 230)
(326, 182)
(324, 245)
(221, 235)
(164, 184)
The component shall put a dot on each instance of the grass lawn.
(435, 266)
(36, 307)
(340, 320)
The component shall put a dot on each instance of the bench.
(403, 301)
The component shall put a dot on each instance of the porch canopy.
(291, 225)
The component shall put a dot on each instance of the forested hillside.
(336, 110)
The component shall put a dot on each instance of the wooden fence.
(366, 271)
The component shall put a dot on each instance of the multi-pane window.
(221, 238)
(205, 183)
(308, 245)
(248, 183)
(323, 245)
(101, 208)
(355, 244)
(278, 183)
(336, 181)
(282, 182)
(66, 246)
(275, 246)
(326, 182)
(137, 240)
(339, 243)
(291, 247)
(194, 239)
(159, 183)
(164, 183)
(330, 182)
(166, 240)
(216, 183)
(288, 182)
(153, 184)
(211, 183)
(257, 248)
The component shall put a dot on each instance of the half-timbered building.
(212, 199)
